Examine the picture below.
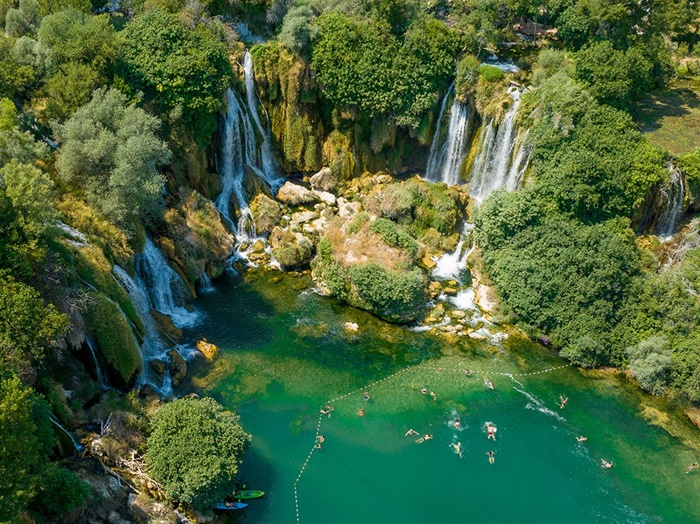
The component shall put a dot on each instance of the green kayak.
(246, 494)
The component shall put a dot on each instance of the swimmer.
(468, 372)
(492, 459)
(411, 432)
(320, 438)
(424, 391)
(432, 394)
(457, 424)
(457, 448)
(327, 410)
(605, 464)
(361, 412)
(693, 466)
(318, 446)
(425, 437)
(491, 431)
(582, 438)
(366, 395)
(488, 383)
(563, 401)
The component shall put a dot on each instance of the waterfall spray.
(446, 161)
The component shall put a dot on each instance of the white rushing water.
(77, 445)
(164, 287)
(101, 377)
(671, 198)
(451, 266)
(498, 163)
(446, 161)
(205, 285)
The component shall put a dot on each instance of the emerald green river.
(285, 352)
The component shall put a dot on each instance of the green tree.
(112, 151)
(195, 449)
(31, 193)
(650, 362)
(14, 76)
(181, 71)
(16, 145)
(24, 20)
(28, 326)
(25, 433)
(298, 29)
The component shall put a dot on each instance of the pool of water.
(286, 352)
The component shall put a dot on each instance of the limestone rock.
(158, 366)
(267, 213)
(486, 298)
(324, 180)
(326, 198)
(436, 314)
(290, 248)
(166, 327)
(428, 262)
(348, 209)
(450, 291)
(253, 185)
(434, 288)
(477, 336)
(177, 366)
(304, 216)
(351, 326)
(457, 313)
(294, 195)
(207, 349)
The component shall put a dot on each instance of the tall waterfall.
(164, 286)
(671, 199)
(498, 163)
(446, 160)
(266, 167)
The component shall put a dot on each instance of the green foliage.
(25, 433)
(183, 72)
(15, 144)
(112, 150)
(397, 297)
(491, 73)
(395, 236)
(111, 330)
(550, 62)
(14, 76)
(298, 29)
(28, 326)
(60, 492)
(650, 362)
(467, 76)
(613, 76)
(31, 194)
(195, 449)
(363, 65)
(24, 20)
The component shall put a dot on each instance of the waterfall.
(498, 163)
(101, 378)
(671, 198)
(152, 347)
(164, 286)
(445, 162)
(77, 445)
(267, 168)
(452, 265)
(205, 285)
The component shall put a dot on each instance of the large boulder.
(177, 367)
(253, 184)
(324, 180)
(290, 248)
(207, 349)
(294, 195)
(267, 213)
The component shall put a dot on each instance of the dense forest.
(110, 134)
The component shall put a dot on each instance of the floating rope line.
(419, 367)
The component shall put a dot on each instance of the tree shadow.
(671, 102)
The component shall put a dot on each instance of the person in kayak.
(457, 448)
(492, 459)
(411, 432)
(605, 464)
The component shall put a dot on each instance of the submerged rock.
(177, 366)
(158, 366)
(351, 326)
(207, 349)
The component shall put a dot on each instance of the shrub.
(491, 73)
(650, 362)
(195, 449)
(395, 236)
(61, 491)
(467, 76)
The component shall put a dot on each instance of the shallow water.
(286, 352)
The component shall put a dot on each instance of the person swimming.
(468, 372)
(693, 466)
(491, 431)
(457, 448)
(488, 383)
(605, 464)
(424, 391)
(425, 437)
(318, 446)
(361, 412)
(367, 395)
(327, 410)
(582, 438)
(432, 394)
(320, 438)
(411, 432)
(492, 459)
(563, 401)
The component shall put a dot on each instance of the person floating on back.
(491, 431)
(605, 464)
(457, 448)
(690, 468)
(492, 459)
(582, 438)
(327, 410)
(411, 432)
(563, 401)
(425, 437)
(432, 394)
(488, 383)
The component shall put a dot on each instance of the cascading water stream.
(205, 285)
(101, 378)
(453, 265)
(446, 161)
(672, 198)
(77, 445)
(497, 163)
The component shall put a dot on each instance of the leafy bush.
(467, 76)
(60, 492)
(650, 362)
(195, 449)
(395, 236)
(491, 73)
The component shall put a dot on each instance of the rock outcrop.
(294, 194)
(290, 248)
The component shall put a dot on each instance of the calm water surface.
(285, 352)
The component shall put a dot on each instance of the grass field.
(670, 118)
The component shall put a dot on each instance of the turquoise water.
(285, 353)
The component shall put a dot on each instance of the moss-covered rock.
(291, 249)
(266, 212)
(198, 239)
(109, 327)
